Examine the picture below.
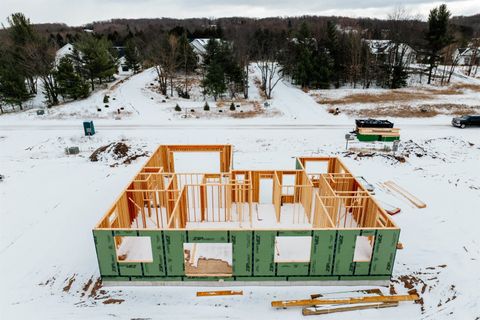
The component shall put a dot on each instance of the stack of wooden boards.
(336, 302)
(378, 134)
(392, 186)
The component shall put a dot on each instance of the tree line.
(310, 53)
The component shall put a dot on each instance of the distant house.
(381, 49)
(199, 46)
(63, 52)
(122, 65)
(345, 29)
(465, 56)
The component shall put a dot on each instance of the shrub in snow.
(105, 99)
(192, 110)
(99, 109)
(232, 107)
(220, 110)
(106, 106)
(177, 108)
(206, 107)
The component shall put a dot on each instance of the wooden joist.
(219, 293)
(310, 311)
(380, 131)
(410, 197)
(364, 291)
(315, 302)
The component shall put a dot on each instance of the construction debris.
(219, 293)
(72, 150)
(310, 311)
(315, 302)
(395, 187)
(393, 211)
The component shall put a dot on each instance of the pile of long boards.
(376, 130)
(378, 134)
(320, 304)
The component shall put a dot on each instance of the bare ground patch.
(422, 111)
(390, 96)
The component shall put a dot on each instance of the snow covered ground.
(49, 203)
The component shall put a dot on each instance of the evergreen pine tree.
(214, 82)
(97, 58)
(12, 83)
(132, 56)
(438, 35)
(333, 47)
(70, 84)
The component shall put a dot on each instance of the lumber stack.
(322, 304)
(378, 134)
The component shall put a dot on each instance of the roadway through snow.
(206, 126)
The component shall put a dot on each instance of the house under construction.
(313, 225)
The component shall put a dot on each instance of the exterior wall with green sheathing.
(384, 252)
(207, 236)
(263, 253)
(105, 247)
(344, 250)
(174, 241)
(323, 245)
(157, 267)
(253, 255)
(242, 252)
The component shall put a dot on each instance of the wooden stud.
(219, 293)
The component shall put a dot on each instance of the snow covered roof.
(383, 46)
(63, 51)
(199, 44)
(467, 52)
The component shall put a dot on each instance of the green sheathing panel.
(264, 243)
(260, 278)
(157, 267)
(242, 252)
(363, 268)
(369, 137)
(156, 278)
(323, 245)
(207, 236)
(293, 269)
(105, 247)
(345, 247)
(126, 268)
(294, 233)
(208, 278)
(111, 278)
(314, 278)
(298, 164)
(384, 251)
(174, 257)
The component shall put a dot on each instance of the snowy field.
(49, 203)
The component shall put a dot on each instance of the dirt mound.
(117, 153)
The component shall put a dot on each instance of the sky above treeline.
(79, 12)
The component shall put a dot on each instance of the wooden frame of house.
(315, 224)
